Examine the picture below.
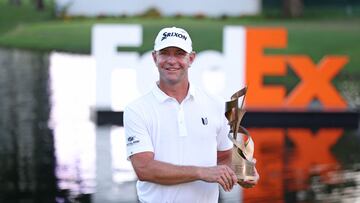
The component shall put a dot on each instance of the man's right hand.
(221, 174)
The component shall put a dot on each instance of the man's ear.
(153, 53)
(192, 57)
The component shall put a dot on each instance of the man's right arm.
(140, 152)
(148, 169)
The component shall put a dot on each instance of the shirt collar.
(162, 97)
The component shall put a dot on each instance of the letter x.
(313, 149)
(316, 82)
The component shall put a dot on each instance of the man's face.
(173, 64)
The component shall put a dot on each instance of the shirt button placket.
(181, 122)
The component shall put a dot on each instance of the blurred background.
(57, 145)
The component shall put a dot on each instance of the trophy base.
(244, 169)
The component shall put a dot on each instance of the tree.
(293, 8)
(40, 5)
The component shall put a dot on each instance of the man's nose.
(171, 59)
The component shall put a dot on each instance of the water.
(26, 143)
(48, 143)
(295, 165)
(306, 165)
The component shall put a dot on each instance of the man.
(177, 134)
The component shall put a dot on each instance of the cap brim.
(173, 44)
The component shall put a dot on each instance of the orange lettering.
(281, 168)
(316, 82)
(315, 79)
(258, 65)
(311, 151)
(269, 152)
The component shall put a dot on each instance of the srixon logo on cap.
(173, 34)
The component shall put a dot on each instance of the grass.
(24, 27)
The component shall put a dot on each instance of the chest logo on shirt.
(132, 140)
(204, 121)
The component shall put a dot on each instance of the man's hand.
(250, 183)
(221, 174)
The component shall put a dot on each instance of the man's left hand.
(251, 182)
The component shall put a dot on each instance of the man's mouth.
(172, 69)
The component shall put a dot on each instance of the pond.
(49, 142)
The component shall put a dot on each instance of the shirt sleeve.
(136, 133)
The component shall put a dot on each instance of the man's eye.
(180, 53)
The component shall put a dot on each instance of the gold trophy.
(243, 162)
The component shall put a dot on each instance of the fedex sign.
(315, 77)
(121, 76)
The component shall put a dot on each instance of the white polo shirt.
(189, 133)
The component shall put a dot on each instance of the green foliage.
(12, 16)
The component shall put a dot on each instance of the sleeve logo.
(132, 140)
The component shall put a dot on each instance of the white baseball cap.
(173, 37)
